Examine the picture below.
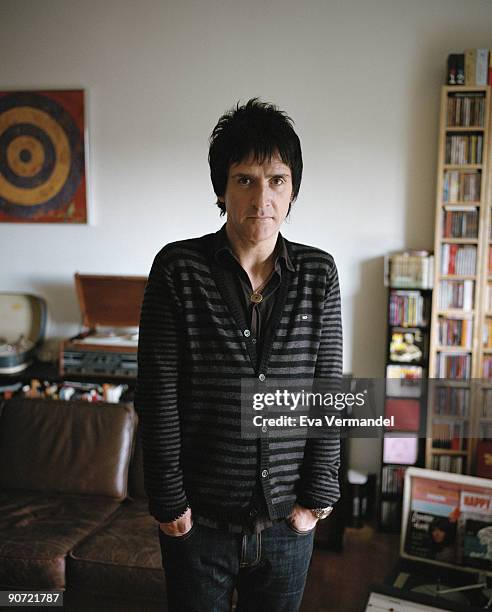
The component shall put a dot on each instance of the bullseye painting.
(42, 157)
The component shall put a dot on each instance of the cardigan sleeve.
(319, 481)
(156, 398)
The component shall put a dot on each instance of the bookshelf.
(408, 317)
(460, 355)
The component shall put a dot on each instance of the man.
(243, 303)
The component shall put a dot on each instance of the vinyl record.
(41, 155)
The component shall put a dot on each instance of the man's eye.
(244, 180)
(278, 180)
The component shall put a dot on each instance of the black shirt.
(240, 286)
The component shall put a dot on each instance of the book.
(487, 334)
(462, 150)
(406, 413)
(450, 434)
(482, 66)
(455, 332)
(408, 308)
(446, 463)
(487, 367)
(470, 66)
(455, 366)
(461, 186)
(487, 404)
(484, 458)
(465, 109)
(451, 401)
(456, 294)
(392, 478)
(460, 224)
(457, 259)
(409, 269)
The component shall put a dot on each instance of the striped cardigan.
(193, 353)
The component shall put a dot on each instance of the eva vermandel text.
(325, 421)
(285, 399)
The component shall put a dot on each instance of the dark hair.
(259, 129)
(444, 525)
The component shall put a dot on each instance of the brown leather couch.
(73, 512)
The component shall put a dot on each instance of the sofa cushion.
(122, 558)
(37, 531)
(66, 447)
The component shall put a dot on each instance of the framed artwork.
(42, 157)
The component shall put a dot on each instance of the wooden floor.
(339, 582)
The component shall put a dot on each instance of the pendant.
(255, 297)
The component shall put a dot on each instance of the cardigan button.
(264, 429)
(262, 377)
(264, 473)
(247, 333)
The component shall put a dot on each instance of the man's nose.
(262, 196)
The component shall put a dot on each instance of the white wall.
(361, 79)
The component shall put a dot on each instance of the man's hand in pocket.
(179, 527)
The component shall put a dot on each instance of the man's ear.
(221, 199)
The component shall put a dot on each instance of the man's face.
(257, 198)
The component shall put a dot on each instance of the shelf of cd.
(461, 323)
(406, 368)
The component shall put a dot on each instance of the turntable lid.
(112, 301)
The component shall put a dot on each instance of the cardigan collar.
(221, 245)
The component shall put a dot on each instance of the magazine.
(450, 523)
(476, 510)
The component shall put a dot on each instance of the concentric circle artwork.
(42, 157)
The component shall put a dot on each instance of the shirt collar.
(222, 248)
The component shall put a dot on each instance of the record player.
(107, 345)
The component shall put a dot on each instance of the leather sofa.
(73, 511)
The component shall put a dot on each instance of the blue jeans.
(268, 569)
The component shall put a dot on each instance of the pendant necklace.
(256, 297)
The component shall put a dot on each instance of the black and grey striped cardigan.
(193, 353)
